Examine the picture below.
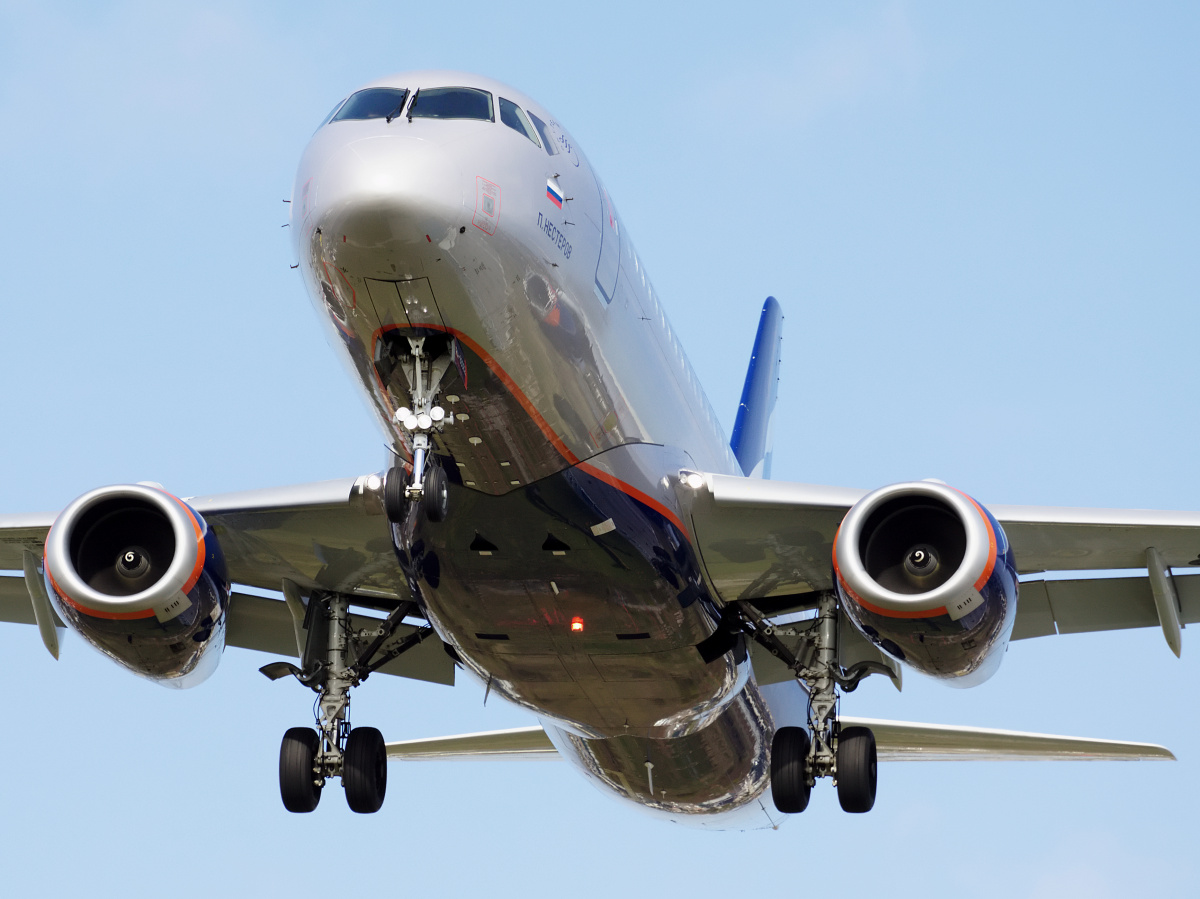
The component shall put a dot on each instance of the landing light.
(577, 625)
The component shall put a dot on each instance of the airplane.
(561, 517)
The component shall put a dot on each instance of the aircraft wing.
(895, 741)
(331, 535)
(769, 541)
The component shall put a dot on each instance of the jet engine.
(137, 573)
(927, 574)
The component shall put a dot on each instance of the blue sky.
(982, 226)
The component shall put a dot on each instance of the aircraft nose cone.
(384, 189)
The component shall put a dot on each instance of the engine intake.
(137, 573)
(926, 573)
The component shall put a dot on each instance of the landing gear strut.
(845, 754)
(308, 757)
(427, 485)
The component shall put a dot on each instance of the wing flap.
(15, 604)
(1082, 605)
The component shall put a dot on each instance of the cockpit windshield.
(452, 103)
(372, 103)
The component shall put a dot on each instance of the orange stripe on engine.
(992, 548)
(94, 613)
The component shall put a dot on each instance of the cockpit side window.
(452, 103)
(325, 121)
(547, 141)
(372, 103)
(512, 116)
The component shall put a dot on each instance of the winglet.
(751, 441)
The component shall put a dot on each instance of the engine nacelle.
(926, 573)
(137, 573)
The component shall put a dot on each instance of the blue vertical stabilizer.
(751, 440)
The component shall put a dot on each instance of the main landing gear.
(845, 754)
(427, 484)
(336, 658)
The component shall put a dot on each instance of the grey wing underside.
(770, 542)
(331, 535)
(903, 741)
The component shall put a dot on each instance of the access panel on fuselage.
(597, 630)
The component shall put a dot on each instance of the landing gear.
(299, 779)
(428, 483)
(799, 756)
(364, 770)
(790, 784)
(856, 775)
(336, 658)
(434, 496)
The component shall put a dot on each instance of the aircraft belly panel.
(577, 600)
(711, 772)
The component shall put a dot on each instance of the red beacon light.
(577, 625)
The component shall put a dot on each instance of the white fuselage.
(572, 400)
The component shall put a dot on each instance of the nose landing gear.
(427, 485)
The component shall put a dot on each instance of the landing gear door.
(609, 265)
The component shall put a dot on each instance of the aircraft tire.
(394, 503)
(297, 770)
(856, 769)
(789, 770)
(436, 498)
(364, 770)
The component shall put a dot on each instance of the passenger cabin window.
(452, 103)
(512, 116)
(547, 141)
(372, 103)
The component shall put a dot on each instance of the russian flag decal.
(553, 193)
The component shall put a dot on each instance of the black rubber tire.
(394, 502)
(364, 770)
(857, 765)
(297, 770)
(789, 770)
(436, 498)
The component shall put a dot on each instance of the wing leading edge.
(761, 540)
(330, 535)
